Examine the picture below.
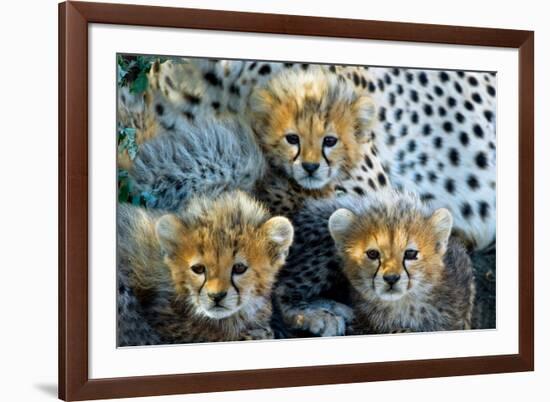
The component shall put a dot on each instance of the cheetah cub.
(405, 274)
(204, 274)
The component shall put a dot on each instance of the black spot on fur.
(159, 109)
(428, 110)
(481, 160)
(458, 87)
(483, 209)
(432, 177)
(412, 145)
(423, 158)
(381, 179)
(450, 186)
(491, 90)
(472, 81)
(382, 114)
(359, 190)
(468, 105)
(369, 162)
(169, 82)
(448, 126)
(414, 117)
(371, 184)
(213, 79)
(192, 99)
(454, 157)
(427, 197)
(372, 87)
(216, 105)
(423, 78)
(304, 66)
(414, 95)
(265, 69)
(443, 76)
(398, 114)
(488, 115)
(478, 131)
(459, 117)
(426, 129)
(451, 102)
(233, 89)
(189, 115)
(472, 182)
(442, 112)
(438, 91)
(438, 142)
(464, 139)
(476, 98)
(466, 210)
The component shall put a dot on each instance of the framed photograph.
(260, 200)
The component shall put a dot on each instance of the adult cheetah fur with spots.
(433, 131)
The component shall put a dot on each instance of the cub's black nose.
(217, 297)
(310, 167)
(391, 279)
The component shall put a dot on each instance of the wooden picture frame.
(74, 381)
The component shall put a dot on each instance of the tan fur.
(433, 291)
(312, 104)
(217, 235)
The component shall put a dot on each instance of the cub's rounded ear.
(339, 224)
(365, 111)
(279, 230)
(442, 223)
(170, 230)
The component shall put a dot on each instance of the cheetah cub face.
(224, 255)
(311, 124)
(393, 251)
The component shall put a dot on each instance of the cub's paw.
(321, 318)
(257, 334)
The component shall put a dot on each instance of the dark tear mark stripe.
(236, 289)
(376, 272)
(407, 272)
(298, 153)
(325, 157)
(203, 282)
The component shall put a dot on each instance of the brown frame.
(74, 17)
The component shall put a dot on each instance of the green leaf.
(140, 84)
(136, 199)
(123, 192)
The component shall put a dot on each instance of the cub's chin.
(217, 312)
(312, 183)
(390, 293)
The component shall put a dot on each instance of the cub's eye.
(329, 141)
(373, 254)
(198, 269)
(292, 139)
(411, 254)
(239, 268)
